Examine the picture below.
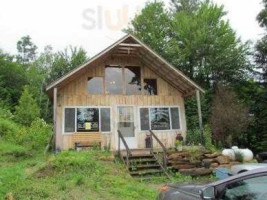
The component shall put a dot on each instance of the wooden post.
(55, 117)
(199, 114)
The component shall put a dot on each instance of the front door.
(127, 126)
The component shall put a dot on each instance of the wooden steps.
(143, 165)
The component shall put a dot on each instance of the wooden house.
(126, 87)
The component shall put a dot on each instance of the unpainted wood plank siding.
(75, 94)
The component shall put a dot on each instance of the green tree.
(195, 38)
(152, 26)
(65, 61)
(27, 110)
(12, 80)
(189, 6)
(26, 50)
(261, 94)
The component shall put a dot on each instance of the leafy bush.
(37, 135)
(34, 137)
(5, 113)
(207, 136)
(194, 137)
(239, 156)
(8, 128)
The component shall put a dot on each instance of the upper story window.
(95, 85)
(150, 86)
(133, 80)
(113, 80)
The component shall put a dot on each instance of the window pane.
(69, 126)
(252, 188)
(144, 118)
(113, 80)
(150, 86)
(133, 80)
(160, 119)
(87, 119)
(105, 119)
(95, 85)
(175, 118)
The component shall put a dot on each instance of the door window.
(126, 121)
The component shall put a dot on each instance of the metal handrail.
(128, 152)
(162, 146)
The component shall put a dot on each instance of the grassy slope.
(70, 175)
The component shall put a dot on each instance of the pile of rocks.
(202, 164)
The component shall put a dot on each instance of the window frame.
(75, 107)
(170, 118)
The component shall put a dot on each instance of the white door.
(127, 126)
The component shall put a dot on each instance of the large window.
(113, 80)
(95, 85)
(133, 80)
(150, 86)
(87, 119)
(159, 118)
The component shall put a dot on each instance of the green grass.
(71, 175)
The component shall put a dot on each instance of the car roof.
(231, 178)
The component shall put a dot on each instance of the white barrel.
(230, 153)
(248, 155)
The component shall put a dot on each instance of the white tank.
(247, 154)
(230, 153)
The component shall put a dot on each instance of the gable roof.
(129, 44)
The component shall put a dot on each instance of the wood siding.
(75, 93)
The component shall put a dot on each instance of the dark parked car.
(251, 185)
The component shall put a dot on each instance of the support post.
(55, 117)
(199, 114)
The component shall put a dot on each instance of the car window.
(248, 189)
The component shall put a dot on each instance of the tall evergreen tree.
(27, 110)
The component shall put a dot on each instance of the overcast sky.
(95, 24)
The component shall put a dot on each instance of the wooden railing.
(164, 150)
(128, 152)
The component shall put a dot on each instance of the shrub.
(5, 113)
(239, 156)
(38, 134)
(193, 137)
(8, 128)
